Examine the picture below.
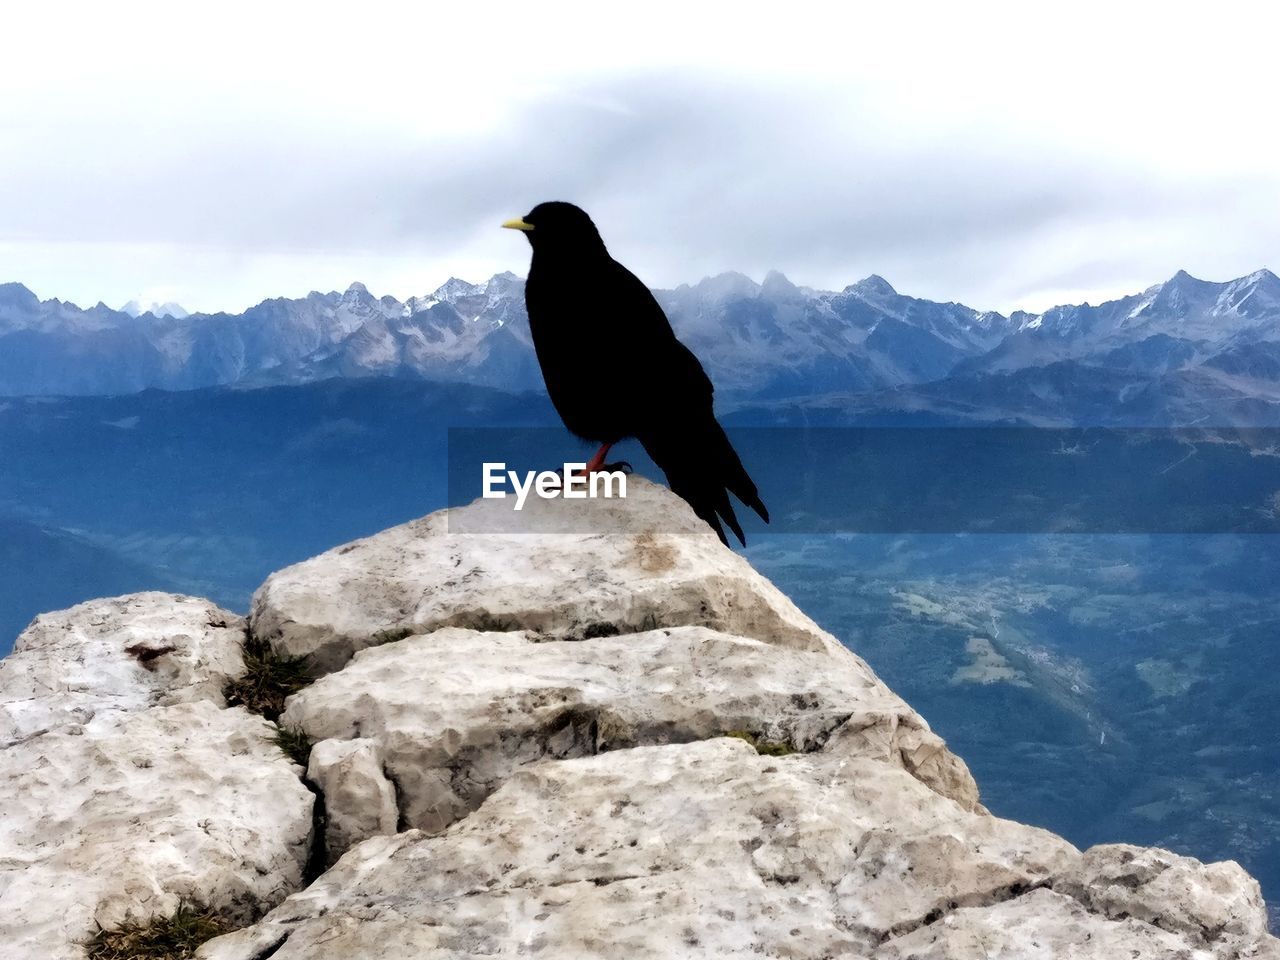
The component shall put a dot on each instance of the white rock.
(1206, 901)
(1041, 925)
(123, 653)
(640, 563)
(360, 802)
(121, 818)
(579, 800)
(456, 712)
(701, 849)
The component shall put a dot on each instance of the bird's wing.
(647, 342)
(680, 432)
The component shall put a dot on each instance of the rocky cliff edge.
(623, 743)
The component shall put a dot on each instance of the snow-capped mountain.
(771, 338)
(471, 332)
(136, 308)
(762, 342)
(778, 340)
(1182, 312)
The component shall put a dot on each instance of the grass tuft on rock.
(295, 743)
(769, 748)
(164, 938)
(269, 677)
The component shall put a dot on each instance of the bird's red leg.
(596, 462)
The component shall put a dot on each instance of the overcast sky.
(1005, 156)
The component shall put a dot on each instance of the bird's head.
(558, 225)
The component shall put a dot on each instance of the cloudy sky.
(1003, 155)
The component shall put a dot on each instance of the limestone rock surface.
(126, 786)
(456, 712)
(121, 653)
(1203, 902)
(709, 849)
(1042, 925)
(120, 819)
(700, 849)
(360, 800)
(633, 565)
(586, 731)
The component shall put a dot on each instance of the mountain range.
(1180, 351)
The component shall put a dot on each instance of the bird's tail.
(703, 468)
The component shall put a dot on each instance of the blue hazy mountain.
(1176, 352)
(46, 568)
(212, 489)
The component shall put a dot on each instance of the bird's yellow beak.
(518, 224)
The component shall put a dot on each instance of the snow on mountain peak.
(453, 288)
(1181, 294)
(136, 308)
(773, 333)
(1260, 280)
(873, 286)
(1254, 296)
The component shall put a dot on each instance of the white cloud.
(1001, 154)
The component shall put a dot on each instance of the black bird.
(614, 368)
